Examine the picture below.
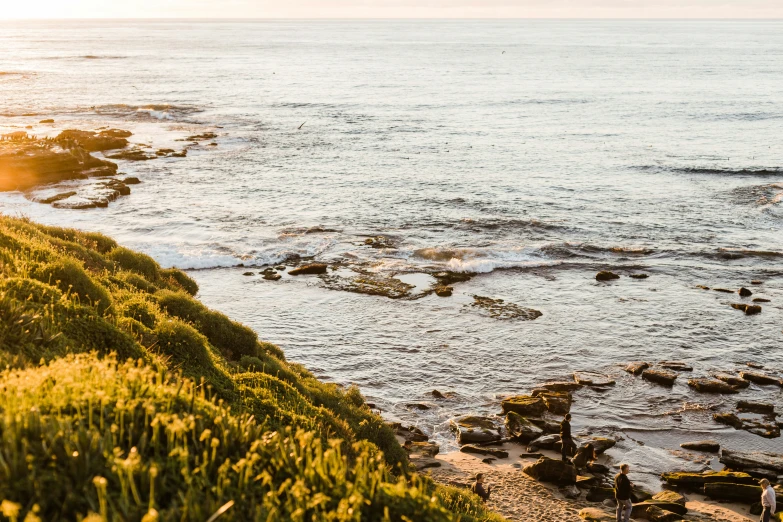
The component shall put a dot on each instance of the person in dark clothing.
(622, 493)
(567, 450)
(479, 489)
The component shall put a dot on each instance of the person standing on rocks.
(479, 489)
(622, 493)
(567, 441)
(767, 501)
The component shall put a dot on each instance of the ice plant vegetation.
(125, 399)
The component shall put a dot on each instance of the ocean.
(532, 154)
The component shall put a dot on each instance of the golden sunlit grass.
(124, 398)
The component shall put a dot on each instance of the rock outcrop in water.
(26, 162)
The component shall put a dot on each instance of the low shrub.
(70, 278)
(181, 279)
(135, 262)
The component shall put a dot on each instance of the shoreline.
(521, 498)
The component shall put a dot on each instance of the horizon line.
(370, 19)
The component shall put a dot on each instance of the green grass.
(126, 399)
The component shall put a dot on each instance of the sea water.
(531, 153)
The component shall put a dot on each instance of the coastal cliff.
(125, 398)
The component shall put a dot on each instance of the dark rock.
(737, 382)
(702, 445)
(586, 482)
(592, 379)
(411, 433)
(597, 467)
(420, 462)
(729, 419)
(28, 162)
(752, 310)
(271, 276)
(313, 268)
(703, 287)
(131, 155)
(535, 456)
(437, 394)
(728, 492)
(550, 470)
(417, 406)
(600, 493)
(570, 491)
(755, 365)
(706, 385)
(739, 306)
(755, 282)
(546, 425)
(524, 405)
(756, 407)
(498, 309)
(678, 366)
(92, 141)
(657, 513)
(760, 378)
(202, 137)
(600, 444)
(744, 292)
(248, 274)
(474, 429)
(639, 276)
(497, 453)
(636, 368)
(669, 496)
(444, 291)
(659, 376)
(761, 473)
(428, 449)
(280, 268)
(605, 275)
(488, 460)
(521, 429)
(544, 442)
(760, 300)
(752, 459)
(57, 197)
(724, 290)
(558, 403)
(561, 386)
(696, 481)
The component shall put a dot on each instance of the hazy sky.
(391, 8)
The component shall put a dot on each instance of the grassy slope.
(126, 399)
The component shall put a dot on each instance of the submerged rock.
(659, 376)
(637, 368)
(760, 378)
(756, 407)
(312, 268)
(561, 386)
(709, 446)
(737, 382)
(499, 309)
(639, 276)
(729, 419)
(744, 292)
(550, 470)
(444, 291)
(678, 366)
(558, 403)
(761, 300)
(593, 379)
(606, 275)
(706, 385)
